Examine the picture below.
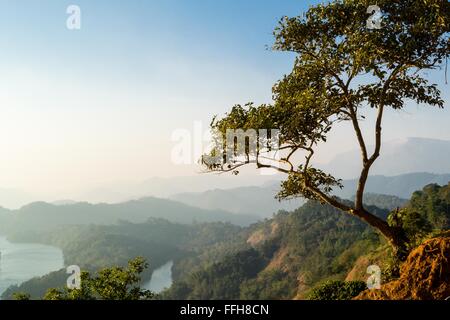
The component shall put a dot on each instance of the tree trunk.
(395, 236)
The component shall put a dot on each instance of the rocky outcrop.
(424, 276)
(359, 270)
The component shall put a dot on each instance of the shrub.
(337, 290)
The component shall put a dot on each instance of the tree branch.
(359, 135)
(328, 199)
(367, 163)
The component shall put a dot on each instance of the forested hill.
(40, 216)
(96, 247)
(287, 256)
(281, 257)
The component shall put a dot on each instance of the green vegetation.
(157, 240)
(298, 252)
(37, 287)
(427, 211)
(384, 201)
(221, 280)
(338, 290)
(96, 247)
(314, 242)
(114, 283)
(21, 296)
(268, 285)
(433, 204)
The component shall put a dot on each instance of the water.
(21, 262)
(161, 278)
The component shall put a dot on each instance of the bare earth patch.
(424, 276)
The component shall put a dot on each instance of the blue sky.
(99, 104)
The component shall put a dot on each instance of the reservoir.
(20, 262)
(161, 278)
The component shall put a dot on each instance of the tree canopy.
(341, 67)
(115, 283)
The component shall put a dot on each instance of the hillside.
(383, 201)
(425, 275)
(282, 257)
(287, 256)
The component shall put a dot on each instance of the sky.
(81, 108)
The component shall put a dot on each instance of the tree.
(114, 283)
(341, 67)
(21, 296)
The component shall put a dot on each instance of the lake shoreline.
(20, 262)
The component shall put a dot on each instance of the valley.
(283, 257)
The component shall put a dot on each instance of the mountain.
(279, 258)
(122, 191)
(400, 186)
(382, 191)
(63, 202)
(166, 187)
(383, 201)
(44, 216)
(288, 256)
(397, 157)
(244, 200)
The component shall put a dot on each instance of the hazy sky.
(85, 107)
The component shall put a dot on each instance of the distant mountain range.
(261, 200)
(42, 216)
(397, 157)
(123, 191)
(241, 206)
(166, 187)
(245, 200)
(401, 186)
(253, 193)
